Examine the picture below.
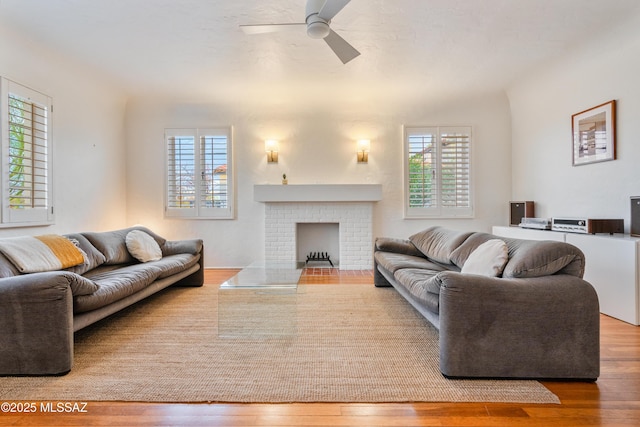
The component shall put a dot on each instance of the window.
(199, 180)
(437, 172)
(26, 156)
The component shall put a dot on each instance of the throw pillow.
(488, 259)
(142, 246)
(461, 253)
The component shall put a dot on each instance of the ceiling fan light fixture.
(318, 29)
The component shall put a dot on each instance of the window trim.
(437, 211)
(31, 216)
(198, 211)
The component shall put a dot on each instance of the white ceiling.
(420, 48)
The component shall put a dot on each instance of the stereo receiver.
(536, 223)
(587, 225)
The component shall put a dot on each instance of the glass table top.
(261, 275)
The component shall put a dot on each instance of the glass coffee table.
(260, 301)
(260, 275)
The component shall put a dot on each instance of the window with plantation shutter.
(181, 172)
(438, 172)
(26, 156)
(199, 173)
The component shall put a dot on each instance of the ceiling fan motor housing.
(317, 28)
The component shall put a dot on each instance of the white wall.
(109, 153)
(603, 69)
(109, 160)
(88, 136)
(317, 145)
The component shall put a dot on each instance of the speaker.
(519, 210)
(635, 216)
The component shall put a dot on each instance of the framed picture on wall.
(594, 134)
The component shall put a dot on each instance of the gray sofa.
(536, 318)
(39, 312)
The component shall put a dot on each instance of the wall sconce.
(363, 150)
(271, 148)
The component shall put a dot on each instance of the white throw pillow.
(142, 246)
(488, 259)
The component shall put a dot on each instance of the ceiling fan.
(318, 17)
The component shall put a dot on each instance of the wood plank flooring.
(614, 400)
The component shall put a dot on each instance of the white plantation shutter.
(423, 163)
(438, 172)
(199, 169)
(214, 171)
(455, 175)
(181, 172)
(26, 153)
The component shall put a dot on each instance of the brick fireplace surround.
(349, 205)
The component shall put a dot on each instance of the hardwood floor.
(614, 400)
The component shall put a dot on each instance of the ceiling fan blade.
(340, 47)
(331, 9)
(270, 28)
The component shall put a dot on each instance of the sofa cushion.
(112, 244)
(423, 285)
(142, 246)
(115, 284)
(174, 264)
(529, 258)
(92, 257)
(488, 259)
(7, 269)
(399, 246)
(437, 243)
(392, 262)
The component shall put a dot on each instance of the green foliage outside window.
(420, 181)
(17, 141)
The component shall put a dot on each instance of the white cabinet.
(612, 268)
(612, 263)
(528, 233)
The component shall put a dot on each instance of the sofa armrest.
(393, 245)
(36, 324)
(194, 247)
(542, 327)
(399, 246)
(173, 247)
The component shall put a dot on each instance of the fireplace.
(316, 241)
(348, 206)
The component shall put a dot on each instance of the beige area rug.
(324, 343)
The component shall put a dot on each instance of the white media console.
(612, 266)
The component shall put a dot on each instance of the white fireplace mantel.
(348, 205)
(268, 193)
